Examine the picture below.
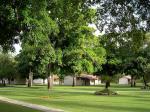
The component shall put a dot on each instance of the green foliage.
(125, 24)
(105, 92)
(81, 50)
(122, 15)
(113, 64)
(147, 72)
(7, 67)
(37, 52)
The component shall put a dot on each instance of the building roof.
(127, 77)
(90, 77)
(55, 77)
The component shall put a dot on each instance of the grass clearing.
(82, 98)
(7, 107)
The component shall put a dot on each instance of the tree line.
(56, 38)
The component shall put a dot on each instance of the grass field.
(7, 107)
(82, 99)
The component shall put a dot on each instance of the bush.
(105, 92)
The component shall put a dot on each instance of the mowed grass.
(7, 107)
(81, 98)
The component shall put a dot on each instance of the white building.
(44, 81)
(83, 80)
(125, 80)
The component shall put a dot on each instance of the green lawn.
(82, 99)
(7, 107)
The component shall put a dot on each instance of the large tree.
(122, 15)
(11, 18)
(36, 47)
(125, 22)
(81, 51)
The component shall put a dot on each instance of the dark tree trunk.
(133, 84)
(9, 80)
(3, 82)
(107, 84)
(144, 80)
(48, 82)
(43, 81)
(74, 81)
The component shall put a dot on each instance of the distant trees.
(11, 18)
(56, 37)
(125, 24)
(122, 15)
(54, 41)
(7, 68)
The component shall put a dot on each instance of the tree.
(7, 68)
(80, 48)
(11, 18)
(113, 64)
(37, 51)
(122, 15)
(84, 56)
(144, 60)
(146, 76)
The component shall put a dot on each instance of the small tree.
(109, 69)
(7, 68)
(84, 56)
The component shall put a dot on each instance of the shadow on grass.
(77, 105)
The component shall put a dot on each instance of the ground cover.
(82, 98)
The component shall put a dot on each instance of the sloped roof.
(127, 77)
(55, 77)
(90, 77)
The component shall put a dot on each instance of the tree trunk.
(134, 84)
(144, 80)
(50, 81)
(30, 79)
(132, 81)
(107, 84)
(9, 80)
(3, 82)
(60, 81)
(43, 81)
(74, 81)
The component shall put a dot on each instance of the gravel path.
(30, 105)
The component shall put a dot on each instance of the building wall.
(40, 81)
(123, 81)
(56, 82)
(68, 80)
(20, 81)
(79, 82)
(97, 82)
